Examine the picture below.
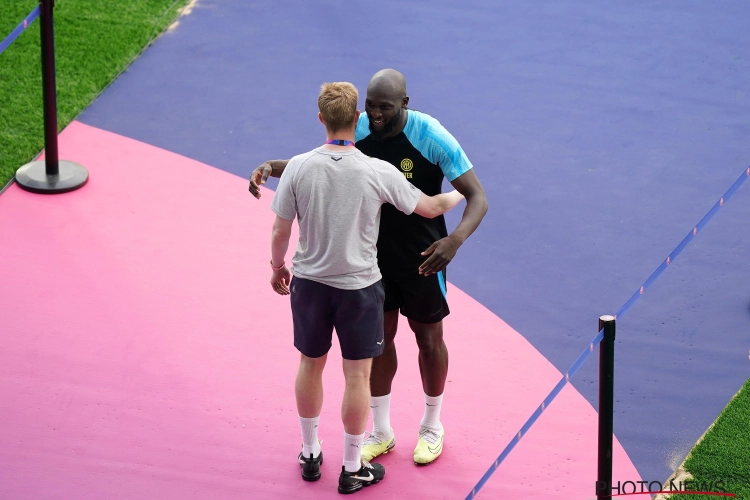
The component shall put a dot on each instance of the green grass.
(95, 40)
(724, 452)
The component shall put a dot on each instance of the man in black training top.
(413, 251)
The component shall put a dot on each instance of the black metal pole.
(606, 407)
(51, 175)
(49, 87)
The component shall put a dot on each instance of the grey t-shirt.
(336, 197)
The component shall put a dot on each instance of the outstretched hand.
(440, 254)
(259, 177)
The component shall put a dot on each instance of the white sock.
(353, 452)
(431, 416)
(381, 415)
(310, 442)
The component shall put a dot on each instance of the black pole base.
(33, 177)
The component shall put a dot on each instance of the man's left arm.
(281, 276)
(442, 251)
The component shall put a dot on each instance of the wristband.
(277, 268)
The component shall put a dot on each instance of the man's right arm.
(432, 206)
(274, 168)
(409, 199)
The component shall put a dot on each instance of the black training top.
(425, 153)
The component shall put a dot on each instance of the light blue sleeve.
(437, 144)
(363, 127)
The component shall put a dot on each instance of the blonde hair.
(337, 103)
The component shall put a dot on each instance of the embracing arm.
(442, 251)
(432, 206)
(274, 168)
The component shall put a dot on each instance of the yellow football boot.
(429, 446)
(376, 445)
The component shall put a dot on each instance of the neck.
(341, 135)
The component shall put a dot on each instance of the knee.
(357, 381)
(312, 365)
(357, 372)
(430, 342)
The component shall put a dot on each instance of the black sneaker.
(311, 466)
(351, 482)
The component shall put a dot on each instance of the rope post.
(606, 407)
(51, 175)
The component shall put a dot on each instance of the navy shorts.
(420, 298)
(357, 316)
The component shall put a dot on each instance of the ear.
(320, 117)
(356, 117)
(405, 102)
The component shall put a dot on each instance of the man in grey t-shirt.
(335, 192)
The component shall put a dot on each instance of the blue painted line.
(596, 340)
(20, 28)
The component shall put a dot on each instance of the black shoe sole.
(311, 477)
(355, 488)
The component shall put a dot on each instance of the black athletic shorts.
(420, 298)
(357, 316)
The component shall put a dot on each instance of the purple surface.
(601, 132)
